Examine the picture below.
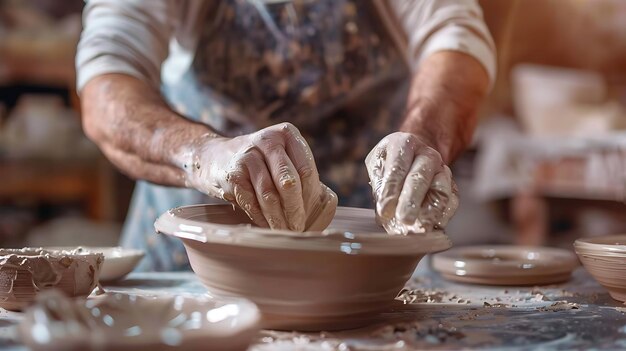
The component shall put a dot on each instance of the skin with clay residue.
(413, 188)
(270, 174)
(139, 132)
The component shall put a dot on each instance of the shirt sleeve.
(436, 25)
(124, 36)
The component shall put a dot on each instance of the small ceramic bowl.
(605, 259)
(118, 261)
(26, 272)
(506, 265)
(127, 322)
(335, 279)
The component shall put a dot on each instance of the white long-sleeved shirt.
(155, 40)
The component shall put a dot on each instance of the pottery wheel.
(506, 265)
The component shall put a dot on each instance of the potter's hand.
(412, 187)
(270, 174)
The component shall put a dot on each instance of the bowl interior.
(352, 231)
(358, 220)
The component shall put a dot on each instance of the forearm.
(136, 129)
(443, 101)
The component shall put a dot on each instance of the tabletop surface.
(443, 315)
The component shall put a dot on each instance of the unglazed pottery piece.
(118, 261)
(605, 259)
(25, 272)
(506, 265)
(336, 279)
(116, 321)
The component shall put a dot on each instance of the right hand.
(270, 174)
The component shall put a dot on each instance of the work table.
(576, 315)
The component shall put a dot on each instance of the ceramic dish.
(118, 261)
(25, 272)
(334, 279)
(605, 259)
(127, 322)
(506, 265)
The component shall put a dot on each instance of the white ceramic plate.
(118, 261)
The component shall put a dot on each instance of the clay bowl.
(129, 322)
(506, 265)
(605, 259)
(26, 272)
(336, 279)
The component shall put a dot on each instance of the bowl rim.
(174, 222)
(52, 253)
(124, 252)
(595, 245)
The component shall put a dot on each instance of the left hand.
(413, 188)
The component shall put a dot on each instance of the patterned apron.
(327, 66)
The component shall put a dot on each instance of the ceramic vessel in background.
(604, 258)
(118, 261)
(506, 265)
(116, 321)
(24, 273)
(336, 279)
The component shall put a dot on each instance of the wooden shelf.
(57, 181)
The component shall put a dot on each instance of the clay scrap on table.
(411, 296)
(560, 306)
(25, 272)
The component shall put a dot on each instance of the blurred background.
(548, 163)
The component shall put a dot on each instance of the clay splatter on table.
(509, 318)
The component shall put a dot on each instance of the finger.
(301, 156)
(266, 193)
(397, 166)
(436, 200)
(453, 203)
(327, 207)
(287, 182)
(416, 186)
(374, 163)
(246, 199)
(238, 190)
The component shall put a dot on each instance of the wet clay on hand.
(413, 188)
(270, 174)
(25, 272)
